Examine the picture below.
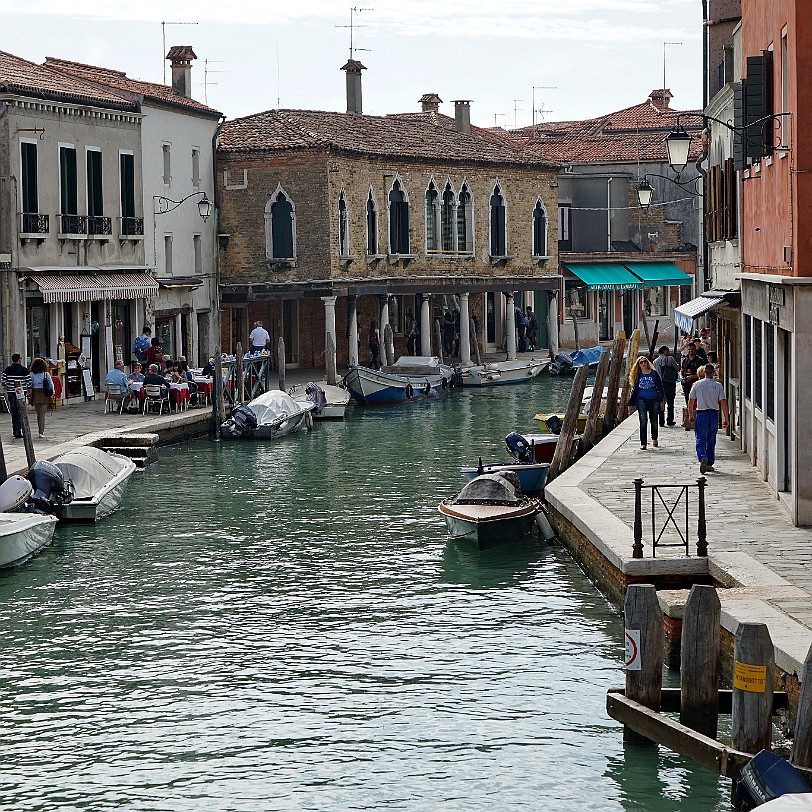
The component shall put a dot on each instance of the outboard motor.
(14, 494)
(562, 365)
(554, 424)
(765, 777)
(242, 423)
(518, 447)
(315, 394)
(51, 490)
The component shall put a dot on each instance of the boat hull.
(23, 535)
(532, 476)
(371, 386)
(485, 526)
(338, 401)
(502, 373)
(96, 496)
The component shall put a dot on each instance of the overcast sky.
(585, 57)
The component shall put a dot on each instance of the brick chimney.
(661, 99)
(353, 70)
(430, 102)
(462, 115)
(181, 56)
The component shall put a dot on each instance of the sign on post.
(747, 677)
(633, 650)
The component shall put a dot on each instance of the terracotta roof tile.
(120, 81)
(411, 135)
(20, 76)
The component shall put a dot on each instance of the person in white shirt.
(259, 338)
(707, 398)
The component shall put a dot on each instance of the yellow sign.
(748, 677)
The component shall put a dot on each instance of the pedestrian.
(706, 401)
(155, 353)
(448, 334)
(668, 369)
(142, 344)
(689, 370)
(522, 323)
(532, 328)
(374, 343)
(648, 397)
(413, 338)
(42, 390)
(259, 337)
(16, 376)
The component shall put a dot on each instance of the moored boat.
(568, 362)
(489, 510)
(531, 473)
(411, 377)
(331, 402)
(23, 535)
(271, 415)
(498, 373)
(98, 478)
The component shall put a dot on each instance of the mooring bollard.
(699, 661)
(802, 742)
(643, 622)
(637, 549)
(280, 354)
(753, 665)
(701, 529)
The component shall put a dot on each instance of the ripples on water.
(284, 626)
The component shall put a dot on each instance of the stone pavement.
(752, 544)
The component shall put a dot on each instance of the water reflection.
(508, 565)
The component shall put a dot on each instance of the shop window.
(769, 370)
(748, 357)
(576, 298)
(655, 301)
(757, 362)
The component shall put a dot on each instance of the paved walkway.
(752, 543)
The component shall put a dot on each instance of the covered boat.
(531, 473)
(98, 479)
(331, 401)
(490, 510)
(568, 362)
(498, 373)
(411, 377)
(273, 414)
(24, 529)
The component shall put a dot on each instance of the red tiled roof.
(120, 81)
(20, 76)
(419, 135)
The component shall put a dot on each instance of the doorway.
(629, 302)
(606, 302)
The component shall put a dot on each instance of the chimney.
(661, 99)
(181, 56)
(353, 69)
(430, 102)
(462, 115)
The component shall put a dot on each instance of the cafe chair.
(155, 397)
(113, 399)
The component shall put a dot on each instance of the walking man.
(707, 399)
(15, 376)
(259, 338)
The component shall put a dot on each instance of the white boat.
(271, 415)
(331, 402)
(411, 377)
(23, 535)
(499, 373)
(489, 510)
(98, 479)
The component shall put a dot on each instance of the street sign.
(633, 650)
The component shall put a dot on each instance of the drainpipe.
(5, 292)
(609, 215)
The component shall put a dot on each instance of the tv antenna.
(163, 41)
(516, 109)
(494, 118)
(664, 44)
(206, 73)
(542, 110)
(352, 26)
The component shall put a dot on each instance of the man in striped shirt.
(14, 377)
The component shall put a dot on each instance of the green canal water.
(284, 626)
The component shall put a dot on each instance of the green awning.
(657, 274)
(604, 276)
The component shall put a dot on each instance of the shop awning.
(181, 282)
(605, 276)
(685, 314)
(657, 274)
(94, 286)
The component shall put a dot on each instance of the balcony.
(99, 227)
(72, 226)
(34, 226)
(131, 228)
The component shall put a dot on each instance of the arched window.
(343, 226)
(372, 225)
(280, 227)
(539, 230)
(465, 233)
(447, 219)
(431, 218)
(498, 235)
(398, 220)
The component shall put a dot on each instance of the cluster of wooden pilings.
(643, 705)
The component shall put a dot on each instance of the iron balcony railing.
(98, 226)
(72, 224)
(32, 222)
(131, 226)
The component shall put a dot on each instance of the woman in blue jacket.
(648, 396)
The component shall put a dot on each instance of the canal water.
(283, 626)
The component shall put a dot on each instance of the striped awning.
(87, 287)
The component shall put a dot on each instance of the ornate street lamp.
(163, 205)
(678, 144)
(644, 193)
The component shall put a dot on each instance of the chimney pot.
(180, 57)
(462, 115)
(353, 70)
(430, 102)
(661, 99)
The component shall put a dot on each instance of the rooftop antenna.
(516, 109)
(535, 88)
(664, 44)
(352, 26)
(206, 73)
(494, 118)
(278, 80)
(163, 41)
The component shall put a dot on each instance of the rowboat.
(411, 377)
(331, 402)
(499, 373)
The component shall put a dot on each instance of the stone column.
(552, 324)
(329, 330)
(178, 331)
(352, 312)
(425, 324)
(465, 331)
(510, 326)
(383, 321)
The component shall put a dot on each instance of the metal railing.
(72, 224)
(99, 226)
(252, 375)
(672, 520)
(34, 223)
(131, 226)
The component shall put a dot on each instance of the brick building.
(338, 219)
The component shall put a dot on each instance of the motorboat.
(551, 422)
(271, 415)
(411, 377)
(568, 362)
(331, 402)
(532, 475)
(490, 510)
(770, 782)
(98, 478)
(498, 373)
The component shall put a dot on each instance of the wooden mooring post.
(438, 339)
(643, 624)
(699, 660)
(280, 355)
(474, 340)
(597, 400)
(615, 369)
(753, 665)
(331, 360)
(18, 397)
(218, 398)
(802, 742)
(239, 376)
(3, 469)
(563, 448)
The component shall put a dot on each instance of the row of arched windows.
(448, 219)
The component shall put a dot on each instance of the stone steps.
(142, 449)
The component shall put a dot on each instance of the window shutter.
(739, 159)
(731, 201)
